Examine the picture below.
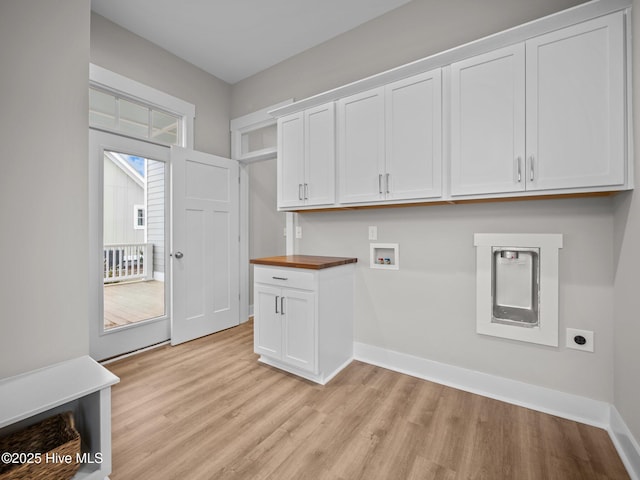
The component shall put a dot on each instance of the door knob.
(178, 255)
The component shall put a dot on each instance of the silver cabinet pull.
(519, 160)
(306, 191)
(387, 181)
(280, 278)
(178, 255)
(380, 184)
(299, 191)
(277, 296)
(281, 305)
(531, 170)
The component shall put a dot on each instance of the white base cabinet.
(303, 319)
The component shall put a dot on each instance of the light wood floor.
(208, 410)
(132, 302)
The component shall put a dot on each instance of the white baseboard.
(572, 407)
(625, 444)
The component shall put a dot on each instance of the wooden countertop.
(311, 262)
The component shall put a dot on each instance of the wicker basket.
(53, 439)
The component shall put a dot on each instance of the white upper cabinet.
(290, 163)
(306, 157)
(546, 114)
(320, 155)
(540, 109)
(487, 122)
(575, 106)
(361, 146)
(390, 141)
(413, 112)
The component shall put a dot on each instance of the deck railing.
(128, 261)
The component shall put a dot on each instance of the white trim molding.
(117, 83)
(626, 445)
(249, 123)
(565, 405)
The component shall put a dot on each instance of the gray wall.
(123, 52)
(627, 282)
(415, 30)
(427, 308)
(43, 182)
(266, 225)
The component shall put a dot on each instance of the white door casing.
(205, 244)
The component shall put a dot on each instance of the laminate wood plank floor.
(208, 410)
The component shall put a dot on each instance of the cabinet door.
(361, 146)
(290, 160)
(320, 155)
(575, 106)
(267, 326)
(487, 123)
(413, 137)
(299, 330)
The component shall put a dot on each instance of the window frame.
(130, 90)
(136, 211)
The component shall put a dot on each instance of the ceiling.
(234, 39)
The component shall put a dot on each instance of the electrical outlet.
(373, 233)
(298, 232)
(580, 339)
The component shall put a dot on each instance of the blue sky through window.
(136, 162)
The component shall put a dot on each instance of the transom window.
(116, 113)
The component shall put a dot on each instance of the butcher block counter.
(311, 262)
(303, 314)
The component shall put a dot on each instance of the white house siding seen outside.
(123, 190)
(155, 214)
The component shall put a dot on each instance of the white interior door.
(205, 244)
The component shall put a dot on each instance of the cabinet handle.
(519, 160)
(299, 191)
(531, 169)
(281, 305)
(380, 184)
(306, 191)
(387, 182)
(277, 304)
(280, 278)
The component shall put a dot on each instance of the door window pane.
(133, 246)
